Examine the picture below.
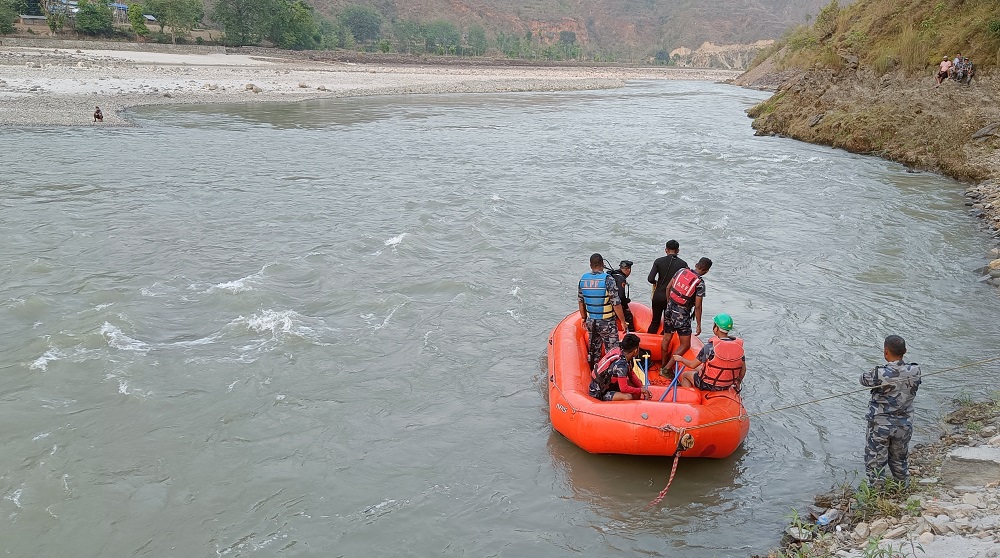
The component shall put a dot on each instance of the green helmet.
(723, 322)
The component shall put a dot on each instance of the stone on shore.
(979, 466)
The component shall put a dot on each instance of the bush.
(994, 27)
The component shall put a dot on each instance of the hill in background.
(623, 29)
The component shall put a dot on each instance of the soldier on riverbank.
(890, 413)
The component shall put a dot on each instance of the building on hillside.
(33, 20)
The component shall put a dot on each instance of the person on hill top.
(685, 291)
(620, 276)
(944, 70)
(663, 271)
(970, 71)
(613, 378)
(721, 363)
(599, 304)
(954, 64)
(890, 413)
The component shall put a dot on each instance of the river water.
(319, 329)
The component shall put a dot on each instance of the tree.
(409, 37)
(180, 15)
(137, 20)
(9, 10)
(243, 21)
(94, 18)
(442, 37)
(477, 40)
(364, 23)
(293, 25)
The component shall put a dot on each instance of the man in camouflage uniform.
(890, 413)
(599, 304)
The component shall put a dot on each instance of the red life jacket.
(685, 286)
(601, 373)
(723, 369)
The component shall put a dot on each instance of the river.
(319, 329)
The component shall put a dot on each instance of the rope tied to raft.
(685, 441)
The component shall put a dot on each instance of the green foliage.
(9, 10)
(476, 37)
(293, 25)
(137, 20)
(180, 15)
(364, 23)
(243, 21)
(826, 20)
(442, 37)
(994, 28)
(94, 18)
(409, 37)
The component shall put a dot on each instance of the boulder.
(977, 466)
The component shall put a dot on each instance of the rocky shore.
(60, 84)
(952, 509)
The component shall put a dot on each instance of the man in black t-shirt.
(663, 271)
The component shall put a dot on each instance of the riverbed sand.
(61, 87)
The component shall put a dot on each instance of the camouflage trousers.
(601, 333)
(887, 450)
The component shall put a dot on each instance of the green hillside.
(890, 35)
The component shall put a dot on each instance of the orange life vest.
(723, 369)
(600, 373)
(685, 286)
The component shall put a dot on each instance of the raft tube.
(716, 421)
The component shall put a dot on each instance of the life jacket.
(723, 369)
(685, 286)
(602, 372)
(594, 287)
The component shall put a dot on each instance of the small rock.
(168, 95)
(250, 87)
(862, 530)
(257, 89)
(896, 532)
(994, 442)
(799, 534)
(878, 527)
(995, 264)
(303, 85)
(926, 538)
(321, 88)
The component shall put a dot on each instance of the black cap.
(624, 264)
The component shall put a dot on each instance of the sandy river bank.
(54, 86)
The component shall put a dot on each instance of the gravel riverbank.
(61, 86)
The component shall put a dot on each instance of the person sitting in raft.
(613, 379)
(721, 363)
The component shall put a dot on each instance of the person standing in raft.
(890, 413)
(98, 115)
(613, 378)
(599, 304)
(685, 292)
(721, 364)
(620, 276)
(663, 271)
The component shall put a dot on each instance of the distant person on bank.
(663, 271)
(890, 414)
(98, 115)
(944, 70)
(685, 293)
(613, 378)
(721, 364)
(599, 304)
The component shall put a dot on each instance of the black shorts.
(698, 383)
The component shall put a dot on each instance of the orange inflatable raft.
(687, 421)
